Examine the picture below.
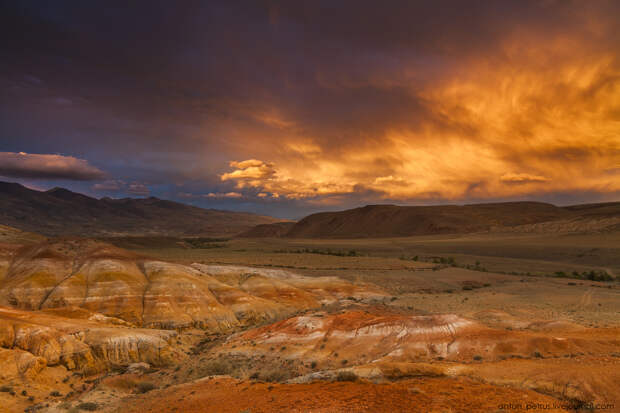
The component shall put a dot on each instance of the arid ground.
(463, 323)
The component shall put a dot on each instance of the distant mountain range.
(402, 221)
(63, 212)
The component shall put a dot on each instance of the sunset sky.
(290, 107)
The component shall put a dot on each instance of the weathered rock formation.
(117, 283)
(31, 340)
(358, 337)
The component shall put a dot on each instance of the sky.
(288, 108)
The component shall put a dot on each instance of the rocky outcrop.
(19, 364)
(356, 337)
(372, 335)
(116, 283)
(84, 345)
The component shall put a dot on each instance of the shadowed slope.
(403, 221)
(62, 212)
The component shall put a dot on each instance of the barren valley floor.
(477, 322)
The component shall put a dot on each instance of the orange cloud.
(522, 178)
(224, 195)
(542, 111)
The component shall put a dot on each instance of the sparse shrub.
(24, 393)
(145, 387)
(276, 375)
(216, 368)
(415, 258)
(346, 376)
(537, 354)
(477, 357)
(89, 406)
(6, 389)
(313, 365)
(486, 285)
(55, 393)
(467, 287)
(344, 361)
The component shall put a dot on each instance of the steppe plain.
(444, 323)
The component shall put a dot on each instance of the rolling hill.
(63, 212)
(401, 221)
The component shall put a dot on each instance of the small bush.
(6, 389)
(216, 368)
(313, 364)
(89, 406)
(477, 357)
(55, 393)
(145, 387)
(537, 354)
(276, 375)
(346, 376)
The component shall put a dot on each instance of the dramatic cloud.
(522, 178)
(43, 166)
(322, 104)
(252, 169)
(226, 195)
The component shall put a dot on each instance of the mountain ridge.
(60, 211)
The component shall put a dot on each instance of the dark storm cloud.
(333, 96)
